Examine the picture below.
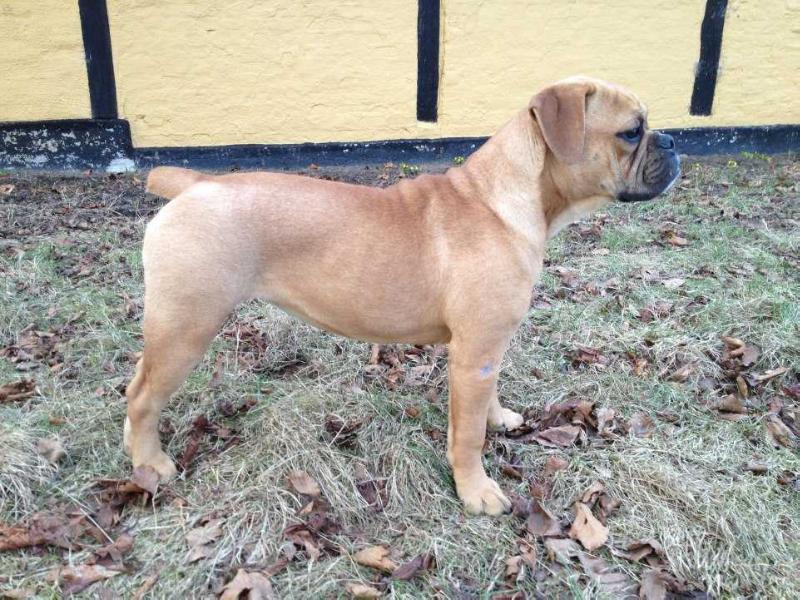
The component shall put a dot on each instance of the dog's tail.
(168, 182)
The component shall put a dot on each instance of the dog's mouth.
(658, 177)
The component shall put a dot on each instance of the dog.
(448, 258)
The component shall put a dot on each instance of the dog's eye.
(632, 135)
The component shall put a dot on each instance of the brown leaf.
(55, 528)
(756, 466)
(112, 553)
(778, 433)
(682, 374)
(561, 549)
(605, 421)
(558, 437)
(408, 570)
(146, 586)
(17, 593)
(541, 522)
(374, 492)
(770, 374)
(584, 355)
(17, 390)
(51, 450)
(6, 189)
(362, 591)
(303, 483)
(253, 584)
(376, 557)
(642, 425)
(554, 463)
(146, 478)
(637, 550)
(610, 582)
(200, 539)
(654, 585)
(730, 404)
(673, 239)
(75, 579)
(590, 532)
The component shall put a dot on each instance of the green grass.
(723, 529)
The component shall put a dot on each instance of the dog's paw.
(161, 463)
(506, 420)
(482, 495)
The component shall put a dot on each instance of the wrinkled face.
(599, 142)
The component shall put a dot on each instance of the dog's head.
(598, 142)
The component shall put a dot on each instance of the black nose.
(665, 141)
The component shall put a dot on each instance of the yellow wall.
(42, 65)
(193, 73)
(203, 72)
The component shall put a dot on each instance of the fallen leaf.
(605, 421)
(655, 585)
(590, 532)
(6, 189)
(561, 549)
(51, 450)
(778, 433)
(303, 483)
(756, 466)
(642, 425)
(682, 374)
(56, 528)
(408, 570)
(673, 239)
(254, 584)
(200, 538)
(554, 463)
(146, 586)
(673, 282)
(770, 374)
(112, 553)
(17, 390)
(72, 580)
(558, 437)
(541, 522)
(610, 582)
(376, 557)
(584, 355)
(146, 477)
(741, 386)
(17, 593)
(730, 404)
(362, 591)
(637, 550)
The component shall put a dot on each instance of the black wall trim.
(705, 79)
(428, 60)
(99, 60)
(66, 145)
(772, 139)
(299, 156)
(106, 144)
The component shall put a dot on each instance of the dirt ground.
(658, 370)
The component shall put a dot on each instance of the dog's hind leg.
(191, 286)
(174, 342)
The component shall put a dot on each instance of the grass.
(70, 264)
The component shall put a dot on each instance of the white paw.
(505, 421)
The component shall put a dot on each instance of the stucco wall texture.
(200, 72)
(42, 66)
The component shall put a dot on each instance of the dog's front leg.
(473, 367)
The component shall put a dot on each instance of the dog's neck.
(538, 203)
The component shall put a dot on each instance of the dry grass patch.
(629, 315)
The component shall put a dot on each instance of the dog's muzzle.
(659, 172)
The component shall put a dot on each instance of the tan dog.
(441, 258)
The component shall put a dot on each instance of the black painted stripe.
(99, 60)
(428, 60)
(705, 78)
(82, 144)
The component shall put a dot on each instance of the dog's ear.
(560, 111)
